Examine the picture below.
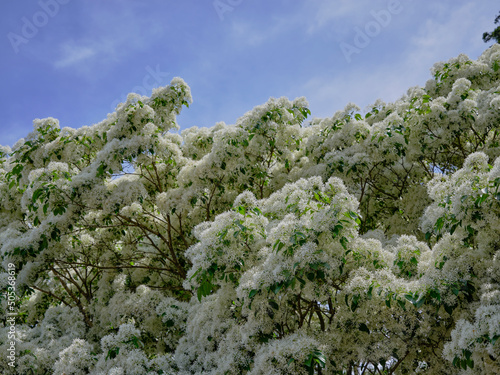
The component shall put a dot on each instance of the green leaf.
(278, 245)
(320, 359)
(370, 292)
(199, 293)
(470, 363)
(410, 298)
(434, 293)
(382, 361)
(364, 328)
(449, 309)
(355, 302)
(343, 242)
(196, 273)
(36, 194)
(308, 361)
(463, 364)
(100, 170)
(401, 304)
(467, 354)
(277, 287)
(274, 304)
(420, 303)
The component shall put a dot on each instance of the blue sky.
(75, 60)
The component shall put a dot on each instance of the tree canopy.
(366, 242)
(495, 34)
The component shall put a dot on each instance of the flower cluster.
(359, 243)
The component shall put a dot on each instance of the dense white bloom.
(285, 356)
(75, 359)
(355, 243)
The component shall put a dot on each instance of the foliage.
(495, 34)
(361, 243)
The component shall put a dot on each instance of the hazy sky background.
(75, 60)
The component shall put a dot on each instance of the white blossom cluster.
(367, 242)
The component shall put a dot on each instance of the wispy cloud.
(440, 37)
(72, 54)
(336, 14)
(107, 34)
(255, 33)
(248, 34)
(98, 51)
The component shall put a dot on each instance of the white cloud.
(248, 34)
(253, 33)
(337, 14)
(459, 30)
(438, 38)
(110, 33)
(73, 54)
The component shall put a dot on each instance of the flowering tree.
(356, 244)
